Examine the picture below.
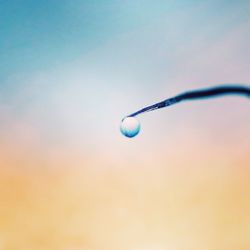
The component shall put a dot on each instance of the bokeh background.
(69, 71)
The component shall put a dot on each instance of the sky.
(69, 72)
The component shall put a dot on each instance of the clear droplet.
(130, 127)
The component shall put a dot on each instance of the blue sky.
(68, 66)
(41, 34)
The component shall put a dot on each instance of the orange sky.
(172, 200)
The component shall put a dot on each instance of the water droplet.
(130, 127)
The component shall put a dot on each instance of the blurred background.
(69, 72)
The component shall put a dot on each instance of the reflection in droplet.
(130, 127)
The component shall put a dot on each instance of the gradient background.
(69, 71)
